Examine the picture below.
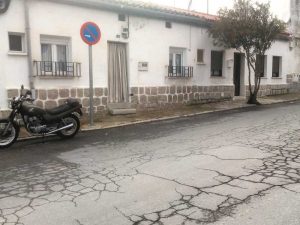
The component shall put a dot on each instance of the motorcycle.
(62, 120)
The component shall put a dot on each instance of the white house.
(148, 54)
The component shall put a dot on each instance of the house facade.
(148, 55)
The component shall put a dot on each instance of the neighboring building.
(295, 30)
(148, 54)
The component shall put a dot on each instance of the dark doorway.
(237, 74)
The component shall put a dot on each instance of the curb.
(161, 119)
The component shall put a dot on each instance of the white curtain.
(46, 52)
(117, 73)
(46, 58)
(61, 53)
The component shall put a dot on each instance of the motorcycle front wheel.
(69, 132)
(9, 133)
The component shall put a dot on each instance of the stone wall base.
(162, 96)
(50, 98)
(274, 89)
(149, 97)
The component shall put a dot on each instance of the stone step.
(237, 98)
(122, 111)
(121, 108)
(120, 105)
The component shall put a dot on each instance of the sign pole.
(90, 33)
(91, 94)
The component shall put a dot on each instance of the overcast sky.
(280, 8)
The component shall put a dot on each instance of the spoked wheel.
(71, 131)
(9, 133)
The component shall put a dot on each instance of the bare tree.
(250, 28)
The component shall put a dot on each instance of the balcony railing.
(180, 71)
(57, 69)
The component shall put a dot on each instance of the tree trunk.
(253, 99)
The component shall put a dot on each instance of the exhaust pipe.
(62, 128)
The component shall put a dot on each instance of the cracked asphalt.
(235, 167)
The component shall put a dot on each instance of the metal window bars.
(180, 71)
(57, 69)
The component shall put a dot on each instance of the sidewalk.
(109, 121)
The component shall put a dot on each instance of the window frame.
(177, 51)
(54, 41)
(211, 64)
(203, 53)
(23, 44)
(264, 64)
(279, 66)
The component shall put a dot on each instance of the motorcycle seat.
(70, 103)
(59, 109)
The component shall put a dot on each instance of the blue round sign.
(90, 33)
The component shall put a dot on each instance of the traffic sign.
(90, 33)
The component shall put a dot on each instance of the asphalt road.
(232, 168)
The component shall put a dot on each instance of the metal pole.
(91, 93)
(28, 43)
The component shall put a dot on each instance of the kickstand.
(43, 139)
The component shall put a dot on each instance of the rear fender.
(77, 114)
(78, 111)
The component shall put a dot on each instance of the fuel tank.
(30, 109)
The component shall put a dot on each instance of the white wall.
(13, 68)
(149, 41)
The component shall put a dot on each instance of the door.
(237, 74)
(117, 73)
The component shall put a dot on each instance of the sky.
(280, 8)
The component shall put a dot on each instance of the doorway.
(118, 90)
(237, 73)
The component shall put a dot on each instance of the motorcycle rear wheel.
(72, 131)
(11, 135)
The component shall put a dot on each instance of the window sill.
(277, 78)
(17, 53)
(201, 63)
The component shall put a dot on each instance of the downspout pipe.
(28, 44)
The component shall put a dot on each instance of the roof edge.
(137, 11)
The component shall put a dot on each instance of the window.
(176, 66)
(122, 17)
(16, 42)
(260, 65)
(216, 63)
(176, 56)
(200, 56)
(168, 25)
(276, 66)
(55, 53)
